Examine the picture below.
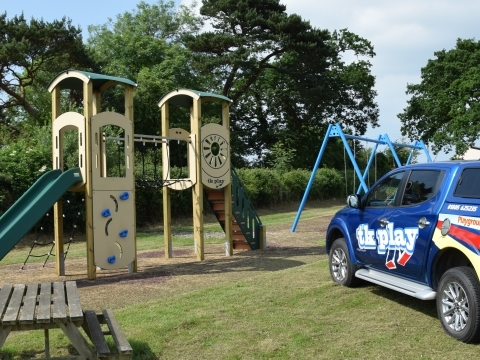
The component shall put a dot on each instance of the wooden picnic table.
(44, 306)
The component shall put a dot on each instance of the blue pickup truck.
(416, 231)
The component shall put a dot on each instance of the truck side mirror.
(353, 201)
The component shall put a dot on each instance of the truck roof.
(448, 163)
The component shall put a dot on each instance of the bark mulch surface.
(159, 278)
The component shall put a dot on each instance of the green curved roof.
(77, 78)
(184, 97)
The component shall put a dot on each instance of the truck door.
(378, 210)
(413, 223)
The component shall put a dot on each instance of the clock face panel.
(215, 154)
(215, 151)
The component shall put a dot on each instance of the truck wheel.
(458, 304)
(342, 270)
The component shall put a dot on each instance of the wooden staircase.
(217, 202)
(246, 224)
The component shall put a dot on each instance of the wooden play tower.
(109, 201)
(210, 172)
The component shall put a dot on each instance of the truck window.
(384, 194)
(468, 185)
(421, 186)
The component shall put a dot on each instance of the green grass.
(308, 213)
(294, 313)
(297, 313)
(145, 241)
(152, 237)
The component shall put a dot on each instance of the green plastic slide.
(17, 221)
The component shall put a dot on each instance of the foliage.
(281, 159)
(145, 46)
(263, 186)
(286, 78)
(27, 51)
(149, 189)
(445, 107)
(6, 192)
(327, 184)
(23, 162)
(268, 187)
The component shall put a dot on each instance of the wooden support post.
(47, 343)
(4, 331)
(167, 223)
(262, 237)
(197, 189)
(227, 190)
(58, 236)
(58, 207)
(96, 99)
(77, 340)
(96, 102)
(88, 113)
(167, 212)
(129, 114)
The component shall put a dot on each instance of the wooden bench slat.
(74, 307)
(4, 296)
(29, 303)
(43, 313)
(59, 304)
(11, 314)
(96, 333)
(119, 337)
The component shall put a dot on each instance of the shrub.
(263, 186)
(295, 183)
(22, 163)
(266, 187)
(328, 184)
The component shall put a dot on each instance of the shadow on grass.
(142, 351)
(426, 307)
(271, 259)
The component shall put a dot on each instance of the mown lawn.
(292, 313)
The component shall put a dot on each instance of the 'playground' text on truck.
(417, 231)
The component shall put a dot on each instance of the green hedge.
(24, 161)
(265, 188)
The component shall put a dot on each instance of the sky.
(405, 34)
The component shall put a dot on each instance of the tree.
(30, 49)
(444, 108)
(145, 46)
(248, 35)
(287, 78)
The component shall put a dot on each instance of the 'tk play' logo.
(389, 241)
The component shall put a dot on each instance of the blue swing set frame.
(336, 131)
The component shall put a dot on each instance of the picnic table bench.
(57, 306)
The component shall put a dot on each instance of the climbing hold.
(111, 259)
(124, 196)
(106, 213)
(124, 233)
